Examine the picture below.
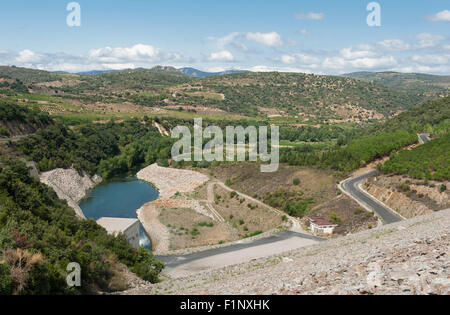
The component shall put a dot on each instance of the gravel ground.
(409, 257)
(169, 181)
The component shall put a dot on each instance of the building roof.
(321, 222)
(116, 225)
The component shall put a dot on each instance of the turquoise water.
(120, 198)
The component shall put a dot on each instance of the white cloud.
(360, 51)
(394, 45)
(300, 59)
(240, 46)
(269, 39)
(364, 63)
(223, 41)
(310, 16)
(224, 56)
(427, 40)
(431, 59)
(264, 68)
(443, 16)
(139, 52)
(27, 56)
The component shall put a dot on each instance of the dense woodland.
(108, 149)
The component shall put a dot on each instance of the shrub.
(296, 181)
(5, 280)
(443, 188)
(334, 218)
(206, 224)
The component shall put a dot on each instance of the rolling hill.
(418, 83)
(303, 97)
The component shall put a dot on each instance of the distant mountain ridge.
(192, 72)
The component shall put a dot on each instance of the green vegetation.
(428, 161)
(374, 142)
(4, 132)
(418, 83)
(108, 149)
(335, 219)
(253, 234)
(350, 157)
(40, 235)
(28, 118)
(293, 203)
(206, 224)
(249, 94)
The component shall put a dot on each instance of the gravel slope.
(409, 257)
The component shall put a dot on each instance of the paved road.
(351, 186)
(235, 254)
(424, 137)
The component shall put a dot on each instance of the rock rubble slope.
(409, 257)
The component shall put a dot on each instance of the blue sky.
(322, 36)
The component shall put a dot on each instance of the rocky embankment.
(69, 185)
(409, 257)
(408, 197)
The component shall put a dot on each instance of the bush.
(296, 181)
(4, 132)
(334, 218)
(5, 280)
(443, 188)
(206, 224)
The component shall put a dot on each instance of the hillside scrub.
(430, 161)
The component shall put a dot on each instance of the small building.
(128, 227)
(322, 227)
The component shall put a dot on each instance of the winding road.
(352, 188)
(244, 251)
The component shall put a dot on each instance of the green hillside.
(373, 142)
(307, 97)
(418, 83)
(428, 161)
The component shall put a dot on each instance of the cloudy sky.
(321, 36)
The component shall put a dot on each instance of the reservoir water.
(120, 198)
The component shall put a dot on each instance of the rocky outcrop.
(69, 185)
(409, 198)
